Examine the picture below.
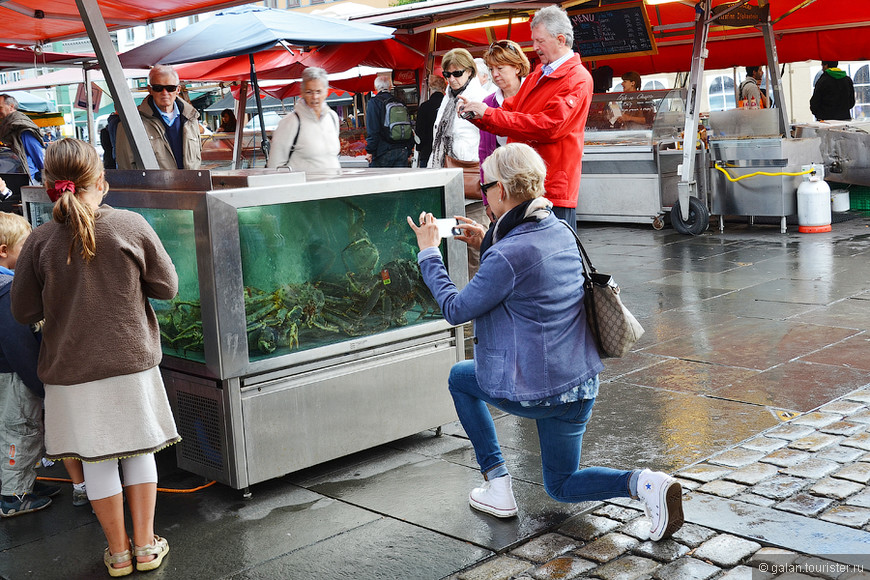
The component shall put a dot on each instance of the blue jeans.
(560, 431)
(392, 158)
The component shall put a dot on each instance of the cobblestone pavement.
(792, 502)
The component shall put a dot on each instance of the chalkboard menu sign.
(612, 32)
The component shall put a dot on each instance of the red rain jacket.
(550, 116)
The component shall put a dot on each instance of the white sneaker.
(663, 496)
(496, 498)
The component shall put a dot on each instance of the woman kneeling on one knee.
(535, 356)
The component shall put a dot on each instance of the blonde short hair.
(13, 229)
(519, 169)
(460, 58)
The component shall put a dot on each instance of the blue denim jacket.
(527, 303)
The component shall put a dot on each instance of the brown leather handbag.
(470, 175)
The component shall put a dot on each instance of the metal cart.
(631, 168)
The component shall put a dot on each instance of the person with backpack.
(389, 135)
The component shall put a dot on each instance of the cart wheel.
(658, 223)
(438, 431)
(699, 217)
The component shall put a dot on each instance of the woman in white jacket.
(307, 138)
(456, 141)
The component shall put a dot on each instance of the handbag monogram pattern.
(615, 329)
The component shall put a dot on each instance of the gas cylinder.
(814, 201)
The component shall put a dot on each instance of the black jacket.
(375, 111)
(426, 115)
(833, 98)
(19, 346)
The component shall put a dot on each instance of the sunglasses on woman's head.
(456, 73)
(505, 44)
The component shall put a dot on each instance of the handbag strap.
(588, 268)
(298, 129)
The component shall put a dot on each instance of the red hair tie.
(60, 187)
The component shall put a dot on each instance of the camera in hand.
(447, 227)
(467, 115)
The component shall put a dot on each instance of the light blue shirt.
(170, 116)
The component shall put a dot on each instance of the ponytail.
(72, 166)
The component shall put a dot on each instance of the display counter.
(631, 157)
(755, 168)
(302, 330)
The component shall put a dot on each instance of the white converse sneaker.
(663, 497)
(496, 498)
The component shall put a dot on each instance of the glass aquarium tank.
(318, 272)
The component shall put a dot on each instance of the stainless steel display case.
(845, 149)
(745, 142)
(631, 168)
(302, 331)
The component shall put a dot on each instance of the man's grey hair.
(162, 69)
(10, 100)
(555, 21)
(382, 83)
(314, 73)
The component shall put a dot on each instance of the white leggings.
(103, 480)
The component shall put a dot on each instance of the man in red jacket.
(549, 112)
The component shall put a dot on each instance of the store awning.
(28, 102)
(47, 119)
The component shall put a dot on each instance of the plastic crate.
(859, 197)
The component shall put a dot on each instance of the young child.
(21, 391)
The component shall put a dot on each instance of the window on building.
(131, 35)
(293, 3)
(720, 94)
(861, 80)
(149, 31)
(171, 26)
(193, 19)
(653, 86)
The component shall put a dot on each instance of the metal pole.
(240, 125)
(687, 187)
(121, 94)
(264, 144)
(89, 103)
(773, 75)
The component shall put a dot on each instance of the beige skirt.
(110, 418)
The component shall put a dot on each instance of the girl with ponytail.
(89, 273)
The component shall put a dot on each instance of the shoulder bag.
(615, 329)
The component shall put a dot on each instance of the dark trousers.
(569, 214)
(397, 157)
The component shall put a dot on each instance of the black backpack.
(397, 122)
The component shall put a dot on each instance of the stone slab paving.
(790, 503)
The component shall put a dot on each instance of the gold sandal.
(120, 557)
(159, 548)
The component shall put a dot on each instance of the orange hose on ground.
(161, 489)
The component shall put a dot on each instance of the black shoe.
(45, 490)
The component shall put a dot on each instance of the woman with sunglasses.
(534, 355)
(456, 140)
(508, 66)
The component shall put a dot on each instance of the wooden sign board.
(746, 15)
(602, 33)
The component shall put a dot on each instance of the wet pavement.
(750, 384)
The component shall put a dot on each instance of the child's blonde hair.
(13, 229)
(76, 161)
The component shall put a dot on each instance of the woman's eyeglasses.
(456, 74)
(161, 88)
(485, 186)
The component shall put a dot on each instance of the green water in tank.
(322, 271)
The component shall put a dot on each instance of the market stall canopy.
(249, 29)
(30, 103)
(68, 76)
(805, 30)
(20, 58)
(280, 64)
(39, 22)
